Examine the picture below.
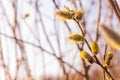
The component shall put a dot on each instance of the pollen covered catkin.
(78, 15)
(64, 15)
(75, 37)
(108, 58)
(84, 55)
(69, 14)
(95, 48)
(112, 38)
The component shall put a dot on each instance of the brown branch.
(6, 69)
(115, 8)
(97, 61)
(98, 20)
(39, 47)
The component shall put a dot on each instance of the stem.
(105, 69)
(98, 20)
(97, 61)
(83, 33)
(115, 8)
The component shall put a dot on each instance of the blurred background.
(34, 43)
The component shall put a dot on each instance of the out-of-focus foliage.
(112, 37)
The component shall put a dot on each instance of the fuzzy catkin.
(95, 48)
(64, 15)
(76, 38)
(108, 58)
(78, 15)
(84, 55)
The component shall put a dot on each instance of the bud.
(75, 37)
(84, 55)
(108, 58)
(112, 38)
(95, 48)
(78, 15)
(25, 16)
(64, 15)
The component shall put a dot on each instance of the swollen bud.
(68, 14)
(84, 55)
(75, 37)
(108, 58)
(78, 15)
(95, 48)
(64, 15)
(25, 16)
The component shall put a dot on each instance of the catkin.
(84, 55)
(64, 15)
(95, 48)
(108, 58)
(78, 15)
(76, 38)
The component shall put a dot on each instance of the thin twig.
(37, 46)
(97, 61)
(115, 9)
(98, 20)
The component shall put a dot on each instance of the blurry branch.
(45, 32)
(115, 8)
(43, 26)
(28, 26)
(59, 47)
(55, 4)
(86, 68)
(13, 27)
(20, 42)
(73, 62)
(110, 19)
(2, 61)
(10, 25)
(80, 48)
(98, 20)
(105, 51)
(74, 3)
(4, 13)
(37, 38)
(39, 41)
(65, 21)
(39, 47)
(97, 61)
(16, 26)
(80, 3)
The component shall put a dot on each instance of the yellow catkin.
(112, 38)
(76, 38)
(108, 58)
(84, 55)
(64, 15)
(95, 48)
(78, 14)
